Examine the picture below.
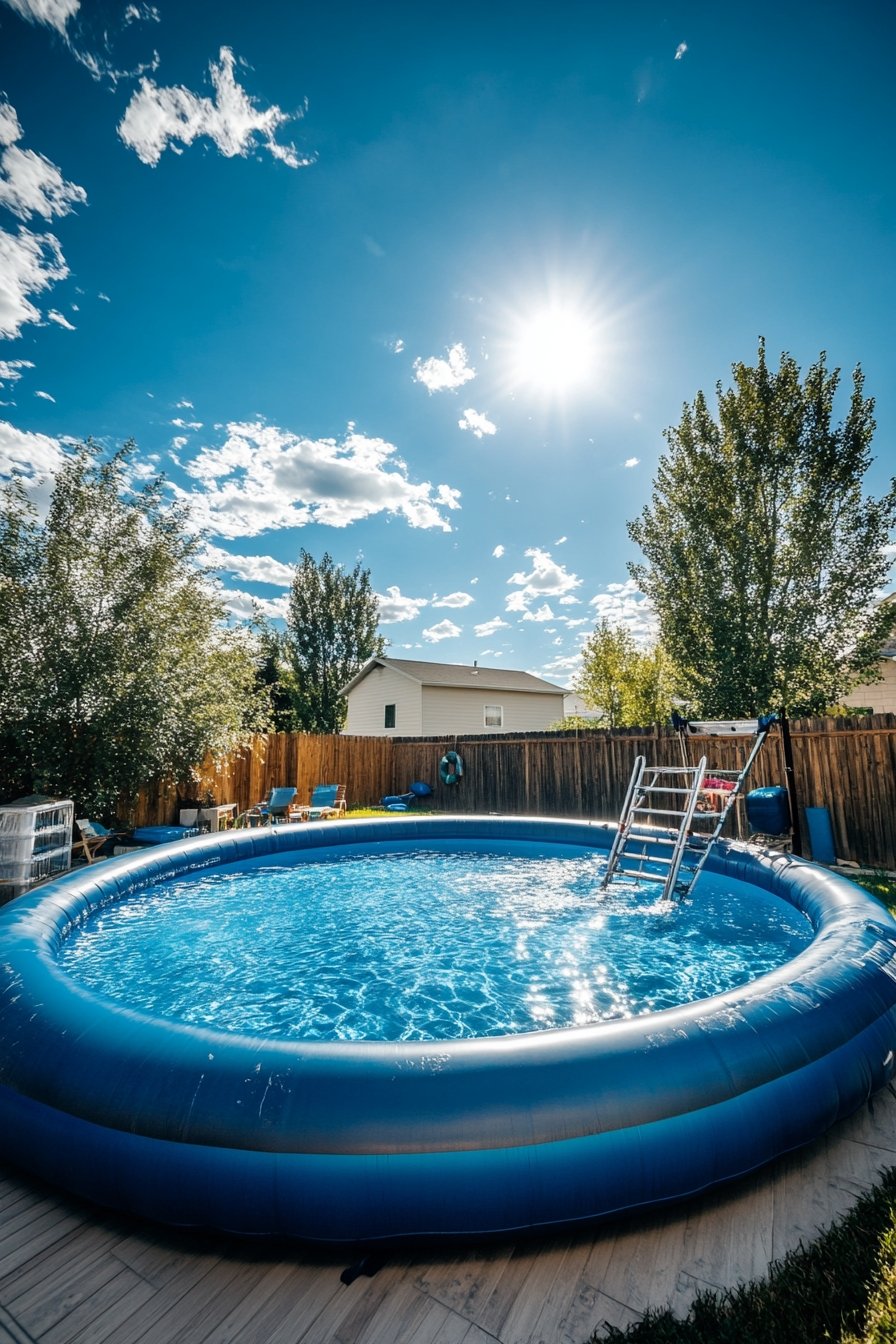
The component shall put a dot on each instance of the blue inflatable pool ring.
(451, 768)
(359, 1142)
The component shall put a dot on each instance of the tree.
(631, 686)
(116, 669)
(764, 555)
(331, 632)
(275, 676)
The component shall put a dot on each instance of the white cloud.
(243, 605)
(265, 478)
(560, 541)
(631, 461)
(184, 405)
(397, 346)
(453, 600)
(680, 50)
(563, 666)
(53, 13)
(444, 630)
(179, 442)
(158, 117)
(45, 396)
(252, 568)
(60, 319)
(625, 604)
(489, 628)
(146, 13)
(10, 369)
(29, 183)
(29, 263)
(444, 375)
(105, 297)
(541, 614)
(34, 458)
(570, 601)
(394, 606)
(186, 424)
(477, 423)
(498, 552)
(547, 579)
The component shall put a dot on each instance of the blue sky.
(425, 287)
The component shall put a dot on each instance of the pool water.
(425, 945)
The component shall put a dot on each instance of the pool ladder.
(656, 841)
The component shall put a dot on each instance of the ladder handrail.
(683, 841)
(633, 784)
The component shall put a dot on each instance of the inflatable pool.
(359, 1142)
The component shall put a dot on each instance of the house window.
(389, 721)
(494, 716)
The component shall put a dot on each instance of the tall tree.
(331, 632)
(116, 669)
(630, 686)
(764, 554)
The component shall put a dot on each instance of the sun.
(553, 349)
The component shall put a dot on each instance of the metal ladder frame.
(682, 841)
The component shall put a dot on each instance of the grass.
(880, 884)
(842, 1288)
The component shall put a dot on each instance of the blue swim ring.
(451, 767)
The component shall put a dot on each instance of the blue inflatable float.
(367, 1142)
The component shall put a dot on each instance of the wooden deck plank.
(120, 1294)
(150, 1317)
(73, 1253)
(20, 1243)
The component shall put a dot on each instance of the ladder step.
(638, 874)
(661, 812)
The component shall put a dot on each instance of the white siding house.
(878, 696)
(400, 697)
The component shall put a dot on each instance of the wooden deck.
(70, 1274)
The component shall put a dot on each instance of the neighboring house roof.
(459, 674)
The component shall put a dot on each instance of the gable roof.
(459, 675)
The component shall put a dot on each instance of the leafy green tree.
(630, 686)
(275, 675)
(763, 553)
(116, 669)
(331, 632)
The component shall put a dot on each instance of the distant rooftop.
(460, 674)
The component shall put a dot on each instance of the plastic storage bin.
(35, 842)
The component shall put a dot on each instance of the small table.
(216, 818)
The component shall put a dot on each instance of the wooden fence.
(845, 765)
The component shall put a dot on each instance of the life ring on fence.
(451, 767)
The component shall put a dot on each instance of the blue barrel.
(768, 810)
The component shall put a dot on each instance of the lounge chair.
(270, 810)
(93, 837)
(400, 802)
(327, 800)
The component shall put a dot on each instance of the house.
(574, 707)
(880, 696)
(400, 697)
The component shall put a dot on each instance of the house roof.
(459, 675)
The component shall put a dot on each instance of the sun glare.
(554, 350)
